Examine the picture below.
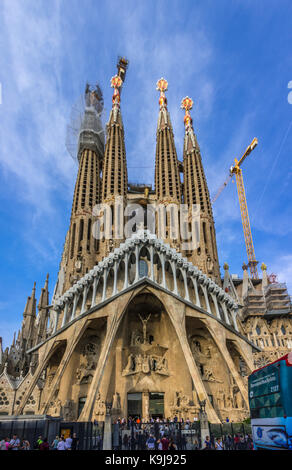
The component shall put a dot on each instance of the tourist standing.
(172, 445)
(45, 445)
(38, 443)
(75, 441)
(159, 445)
(236, 441)
(68, 442)
(150, 443)
(126, 442)
(61, 444)
(25, 445)
(14, 444)
(3, 444)
(218, 444)
(207, 443)
(165, 443)
(55, 443)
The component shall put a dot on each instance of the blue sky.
(232, 57)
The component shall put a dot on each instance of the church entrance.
(156, 405)
(135, 405)
(146, 405)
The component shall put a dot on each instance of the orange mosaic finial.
(187, 104)
(162, 86)
(116, 83)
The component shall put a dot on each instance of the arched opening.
(79, 372)
(99, 290)
(51, 367)
(192, 292)
(158, 275)
(144, 262)
(239, 362)
(131, 268)
(110, 283)
(146, 365)
(180, 283)
(169, 276)
(212, 305)
(214, 372)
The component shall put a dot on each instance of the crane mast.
(237, 171)
(245, 223)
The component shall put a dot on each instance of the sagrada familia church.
(141, 321)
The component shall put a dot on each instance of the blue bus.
(270, 401)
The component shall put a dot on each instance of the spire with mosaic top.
(162, 86)
(187, 104)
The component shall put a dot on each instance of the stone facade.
(138, 321)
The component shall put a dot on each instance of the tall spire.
(114, 175)
(167, 178)
(80, 247)
(29, 316)
(196, 192)
(115, 178)
(43, 313)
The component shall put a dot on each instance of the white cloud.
(33, 131)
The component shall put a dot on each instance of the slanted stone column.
(204, 425)
(107, 433)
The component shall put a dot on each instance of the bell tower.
(167, 176)
(81, 247)
(196, 191)
(115, 175)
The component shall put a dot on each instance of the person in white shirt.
(218, 444)
(62, 444)
(68, 443)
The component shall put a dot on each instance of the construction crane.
(237, 171)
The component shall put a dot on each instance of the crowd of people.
(139, 423)
(59, 443)
(136, 434)
(174, 433)
(228, 442)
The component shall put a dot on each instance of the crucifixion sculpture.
(144, 323)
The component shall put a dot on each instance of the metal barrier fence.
(234, 436)
(90, 435)
(134, 436)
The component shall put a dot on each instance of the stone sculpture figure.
(116, 401)
(144, 323)
(68, 414)
(145, 364)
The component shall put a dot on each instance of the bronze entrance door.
(156, 405)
